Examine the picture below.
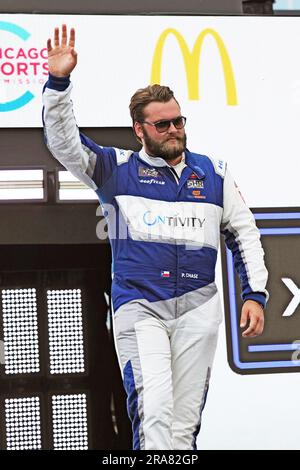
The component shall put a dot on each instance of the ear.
(138, 129)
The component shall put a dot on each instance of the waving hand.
(62, 57)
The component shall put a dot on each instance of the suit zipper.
(174, 174)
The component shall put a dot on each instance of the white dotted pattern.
(70, 429)
(20, 331)
(23, 423)
(65, 331)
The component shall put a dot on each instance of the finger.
(74, 53)
(259, 327)
(56, 37)
(72, 38)
(244, 317)
(259, 324)
(251, 328)
(249, 333)
(64, 35)
(49, 45)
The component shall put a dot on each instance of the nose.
(172, 128)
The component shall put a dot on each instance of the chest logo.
(194, 184)
(197, 194)
(148, 172)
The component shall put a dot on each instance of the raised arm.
(86, 160)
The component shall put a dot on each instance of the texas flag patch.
(165, 274)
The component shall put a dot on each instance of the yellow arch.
(192, 63)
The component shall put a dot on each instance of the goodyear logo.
(192, 63)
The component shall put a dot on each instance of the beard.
(167, 150)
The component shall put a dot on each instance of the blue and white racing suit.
(164, 233)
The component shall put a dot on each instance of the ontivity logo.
(20, 65)
(151, 219)
(183, 227)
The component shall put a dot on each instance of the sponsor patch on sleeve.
(122, 155)
(220, 166)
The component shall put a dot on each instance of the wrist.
(256, 302)
(58, 77)
(258, 297)
(58, 83)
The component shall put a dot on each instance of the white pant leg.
(193, 345)
(155, 362)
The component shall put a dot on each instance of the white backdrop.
(258, 136)
(115, 58)
(250, 411)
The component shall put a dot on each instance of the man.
(172, 203)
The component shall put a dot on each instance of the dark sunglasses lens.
(179, 122)
(162, 126)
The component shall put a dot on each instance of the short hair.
(144, 96)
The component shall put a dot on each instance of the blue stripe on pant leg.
(195, 434)
(132, 404)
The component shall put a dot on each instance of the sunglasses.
(163, 126)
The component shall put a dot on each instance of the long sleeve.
(242, 237)
(87, 161)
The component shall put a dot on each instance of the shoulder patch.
(122, 155)
(219, 166)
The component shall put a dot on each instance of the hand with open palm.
(62, 58)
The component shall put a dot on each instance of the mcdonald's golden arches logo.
(192, 63)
